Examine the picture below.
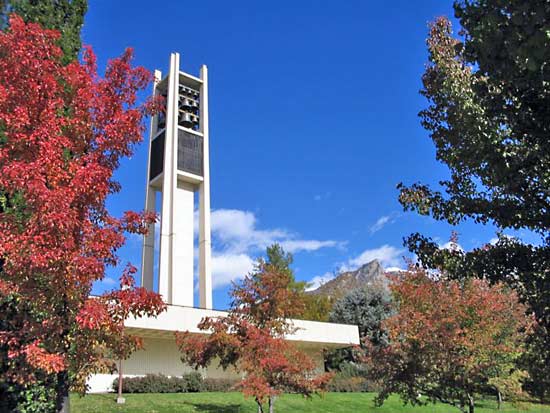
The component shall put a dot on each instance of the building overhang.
(181, 318)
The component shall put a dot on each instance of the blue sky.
(313, 111)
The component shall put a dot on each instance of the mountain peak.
(369, 270)
(369, 274)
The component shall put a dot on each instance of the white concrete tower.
(179, 167)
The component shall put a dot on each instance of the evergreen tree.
(316, 307)
(282, 260)
(365, 308)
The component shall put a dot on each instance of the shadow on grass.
(215, 408)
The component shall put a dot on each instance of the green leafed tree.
(489, 118)
(66, 16)
(317, 307)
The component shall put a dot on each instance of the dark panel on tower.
(189, 152)
(157, 156)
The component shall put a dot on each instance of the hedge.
(188, 383)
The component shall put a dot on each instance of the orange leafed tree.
(63, 132)
(448, 339)
(251, 339)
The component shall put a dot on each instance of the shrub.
(349, 378)
(38, 397)
(342, 383)
(159, 383)
(220, 385)
(193, 382)
(151, 383)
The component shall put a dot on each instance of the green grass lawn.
(236, 403)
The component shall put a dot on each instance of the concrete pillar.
(205, 270)
(148, 253)
(169, 184)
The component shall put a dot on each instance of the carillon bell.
(188, 120)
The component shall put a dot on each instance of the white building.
(179, 167)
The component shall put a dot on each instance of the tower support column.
(148, 256)
(148, 253)
(178, 168)
(169, 184)
(205, 255)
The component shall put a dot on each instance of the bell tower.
(178, 169)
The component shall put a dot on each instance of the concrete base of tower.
(160, 354)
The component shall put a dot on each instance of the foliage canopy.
(65, 16)
(447, 339)
(489, 118)
(63, 132)
(251, 338)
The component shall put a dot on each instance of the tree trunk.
(260, 408)
(62, 387)
(120, 379)
(272, 404)
(499, 399)
(471, 405)
(62, 391)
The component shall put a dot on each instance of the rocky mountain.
(370, 274)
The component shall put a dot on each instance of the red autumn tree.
(448, 339)
(251, 338)
(63, 131)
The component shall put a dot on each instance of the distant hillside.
(370, 274)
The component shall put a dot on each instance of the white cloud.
(229, 267)
(494, 240)
(395, 269)
(452, 246)
(236, 239)
(236, 231)
(387, 255)
(379, 224)
(319, 197)
(108, 281)
(319, 280)
(383, 221)
(309, 245)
